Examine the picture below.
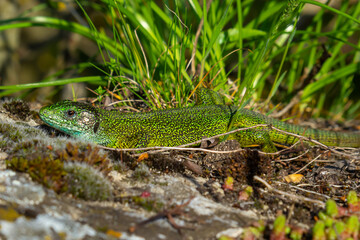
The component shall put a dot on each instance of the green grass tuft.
(161, 52)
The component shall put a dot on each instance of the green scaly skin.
(174, 127)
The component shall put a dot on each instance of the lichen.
(86, 182)
(8, 213)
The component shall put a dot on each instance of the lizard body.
(178, 126)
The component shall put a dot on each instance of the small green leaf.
(319, 231)
(322, 216)
(339, 227)
(100, 90)
(331, 208)
(352, 198)
(352, 225)
(279, 225)
(296, 234)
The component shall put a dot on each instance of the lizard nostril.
(43, 112)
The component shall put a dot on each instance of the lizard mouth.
(47, 118)
(50, 120)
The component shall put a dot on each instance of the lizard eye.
(70, 113)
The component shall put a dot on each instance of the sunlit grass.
(242, 49)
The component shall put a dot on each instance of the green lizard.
(178, 126)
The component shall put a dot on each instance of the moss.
(142, 172)
(45, 170)
(120, 167)
(26, 148)
(10, 132)
(18, 108)
(88, 155)
(147, 204)
(86, 182)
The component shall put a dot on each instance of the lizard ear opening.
(96, 127)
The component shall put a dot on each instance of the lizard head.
(74, 118)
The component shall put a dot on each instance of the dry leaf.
(294, 178)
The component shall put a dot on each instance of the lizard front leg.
(255, 137)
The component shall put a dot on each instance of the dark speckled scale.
(162, 128)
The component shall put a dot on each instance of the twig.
(298, 187)
(169, 214)
(290, 213)
(289, 195)
(318, 185)
(286, 109)
(177, 18)
(122, 101)
(311, 192)
(294, 158)
(304, 167)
